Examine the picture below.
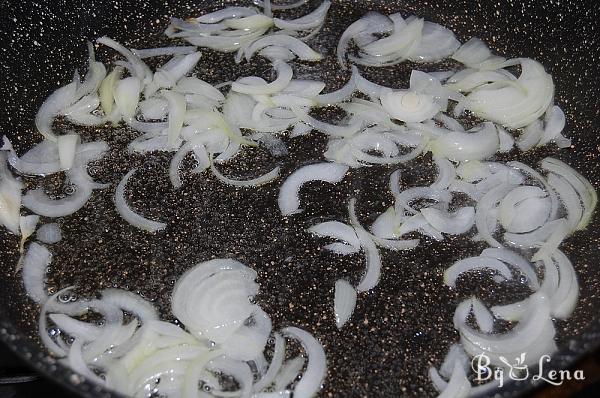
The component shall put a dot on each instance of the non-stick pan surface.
(402, 327)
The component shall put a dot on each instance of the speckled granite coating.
(401, 327)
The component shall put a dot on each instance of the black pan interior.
(400, 328)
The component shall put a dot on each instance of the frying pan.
(400, 328)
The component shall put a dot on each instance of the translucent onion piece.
(400, 42)
(584, 189)
(373, 259)
(129, 215)
(289, 373)
(67, 145)
(533, 335)
(40, 203)
(524, 209)
(10, 197)
(265, 178)
(162, 51)
(455, 224)
(517, 262)
(78, 363)
(249, 341)
(27, 226)
(274, 367)
(303, 51)
(436, 44)
(554, 123)
(309, 21)
(131, 303)
(511, 106)
(37, 259)
(475, 263)
(127, 96)
(168, 75)
(289, 201)
(52, 107)
(280, 7)
(409, 106)
(477, 144)
(554, 240)
(177, 109)
(483, 210)
(196, 146)
(107, 89)
(336, 230)
(75, 328)
(344, 302)
(284, 77)
(313, 376)
(212, 298)
(141, 70)
(193, 85)
(458, 386)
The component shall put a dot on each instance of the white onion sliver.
(315, 371)
(288, 200)
(129, 215)
(344, 302)
(265, 178)
(36, 261)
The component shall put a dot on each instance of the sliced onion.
(265, 178)
(554, 240)
(37, 259)
(400, 42)
(517, 262)
(127, 96)
(475, 263)
(313, 376)
(458, 386)
(10, 197)
(584, 189)
(477, 144)
(274, 367)
(409, 106)
(512, 106)
(289, 202)
(141, 70)
(289, 373)
(39, 202)
(436, 44)
(131, 303)
(212, 299)
(533, 335)
(249, 341)
(303, 51)
(284, 77)
(177, 109)
(194, 145)
(162, 51)
(129, 215)
(168, 76)
(336, 230)
(52, 107)
(67, 145)
(455, 224)
(344, 302)
(309, 21)
(27, 226)
(524, 209)
(107, 89)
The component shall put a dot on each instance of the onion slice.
(344, 302)
(313, 376)
(129, 215)
(288, 200)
